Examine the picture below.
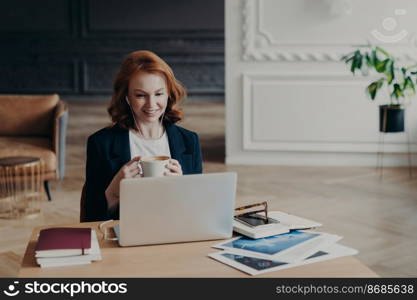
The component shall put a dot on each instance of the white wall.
(289, 99)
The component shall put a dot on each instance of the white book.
(286, 222)
(61, 252)
(62, 264)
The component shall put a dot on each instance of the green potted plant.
(399, 81)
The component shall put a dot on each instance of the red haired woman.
(144, 112)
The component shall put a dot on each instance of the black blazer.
(108, 150)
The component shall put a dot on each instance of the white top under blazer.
(148, 147)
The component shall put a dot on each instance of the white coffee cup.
(154, 166)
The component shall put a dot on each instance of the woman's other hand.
(131, 169)
(173, 168)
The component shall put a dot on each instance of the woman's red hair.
(144, 61)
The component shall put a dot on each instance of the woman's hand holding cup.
(131, 169)
(173, 168)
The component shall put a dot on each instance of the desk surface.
(174, 260)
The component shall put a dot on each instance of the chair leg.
(48, 192)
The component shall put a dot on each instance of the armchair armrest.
(60, 123)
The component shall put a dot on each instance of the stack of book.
(66, 246)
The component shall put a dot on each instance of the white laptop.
(173, 209)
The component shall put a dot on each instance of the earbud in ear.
(127, 100)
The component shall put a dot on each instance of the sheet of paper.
(292, 246)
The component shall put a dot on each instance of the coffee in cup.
(154, 166)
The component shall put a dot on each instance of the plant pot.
(391, 118)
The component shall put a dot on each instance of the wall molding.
(260, 45)
(320, 159)
(250, 143)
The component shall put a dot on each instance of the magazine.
(292, 246)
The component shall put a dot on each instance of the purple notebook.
(62, 238)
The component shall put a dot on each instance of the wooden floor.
(377, 217)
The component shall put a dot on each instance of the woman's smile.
(151, 112)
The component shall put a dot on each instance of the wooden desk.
(174, 260)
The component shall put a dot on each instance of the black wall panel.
(74, 47)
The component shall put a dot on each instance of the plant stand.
(380, 153)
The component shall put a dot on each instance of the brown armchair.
(35, 125)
